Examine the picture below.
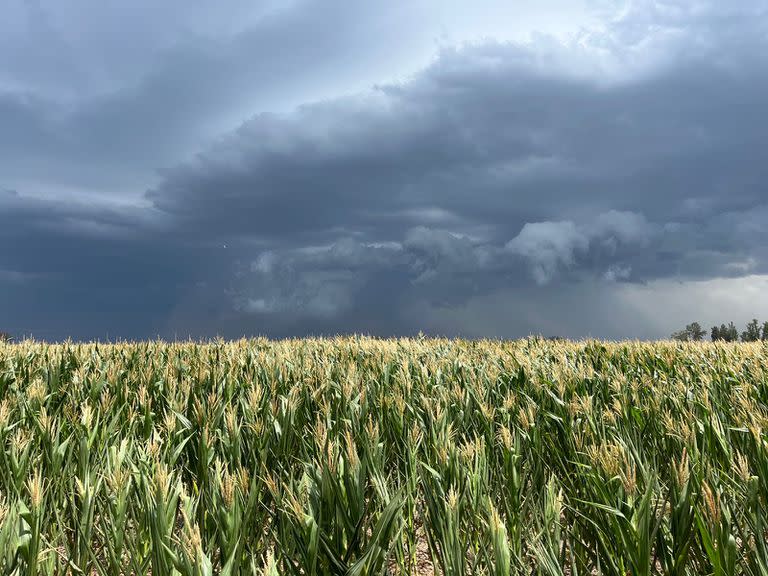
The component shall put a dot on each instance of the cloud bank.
(299, 193)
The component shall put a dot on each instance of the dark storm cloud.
(525, 163)
(493, 135)
(501, 174)
(83, 123)
(24, 217)
(84, 270)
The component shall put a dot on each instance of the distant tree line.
(753, 332)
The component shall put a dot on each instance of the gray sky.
(490, 168)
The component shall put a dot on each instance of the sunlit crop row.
(360, 456)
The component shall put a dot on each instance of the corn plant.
(356, 456)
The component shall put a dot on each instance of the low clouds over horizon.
(315, 168)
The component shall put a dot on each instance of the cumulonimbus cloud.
(630, 154)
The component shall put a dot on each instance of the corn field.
(357, 456)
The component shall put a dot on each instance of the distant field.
(360, 456)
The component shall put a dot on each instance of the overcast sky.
(285, 168)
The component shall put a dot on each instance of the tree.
(764, 335)
(730, 331)
(725, 333)
(695, 331)
(752, 333)
(692, 333)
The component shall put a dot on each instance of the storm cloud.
(292, 169)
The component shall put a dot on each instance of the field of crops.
(360, 456)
